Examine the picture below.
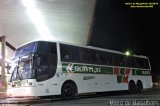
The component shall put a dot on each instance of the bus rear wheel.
(68, 90)
(139, 86)
(132, 87)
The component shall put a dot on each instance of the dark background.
(121, 28)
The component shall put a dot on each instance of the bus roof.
(90, 47)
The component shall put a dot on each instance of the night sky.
(119, 27)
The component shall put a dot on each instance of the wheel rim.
(68, 91)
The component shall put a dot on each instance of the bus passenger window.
(66, 57)
(85, 55)
(108, 57)
(75, 54)
(102, 57)
(65, 52)
(94, 56)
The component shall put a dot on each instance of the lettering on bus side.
(145, 72)
(141, 72)
(75, 68)
(88, 77)
(87, 69)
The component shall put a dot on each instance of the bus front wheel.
(68, 90)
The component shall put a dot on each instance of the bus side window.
(85, 55)
(138, 64)
(143, 63)
(75, 54)
(43, 69)
(66, 57)
(94, 56)
(98, 57)
(119, 60)
(65, 52)
(146, 63)
(130, 62)
(108, 57)
(102, 57)
(52, 62)
(47, 67)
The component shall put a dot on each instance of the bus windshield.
(36, 60)
(22, 68)
(26, 49)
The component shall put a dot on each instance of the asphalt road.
(150, 97)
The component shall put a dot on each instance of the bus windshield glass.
(22, 68)
(36, 60)
(26, 49)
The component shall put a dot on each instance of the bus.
(47, 68)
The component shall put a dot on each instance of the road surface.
(149, 97)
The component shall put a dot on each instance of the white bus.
(45, 68)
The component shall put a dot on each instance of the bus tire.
(139, 86)
(132, 87)
(68, 90)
